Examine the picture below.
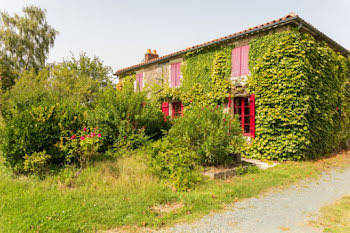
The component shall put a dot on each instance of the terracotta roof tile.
(291, 15)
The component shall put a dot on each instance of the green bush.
(39, 129)
(37, 163)
(82, 146)
(212, 134)
(126, 119)
(174, 163)
(203, 136)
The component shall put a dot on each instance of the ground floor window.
(244, 107)
(173, 109)
(177, 109)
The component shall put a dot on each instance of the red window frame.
(177, 109)
(244, 107)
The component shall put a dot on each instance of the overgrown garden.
(62, 122)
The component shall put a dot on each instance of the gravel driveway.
(288, 210)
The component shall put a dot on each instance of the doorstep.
(260, 164)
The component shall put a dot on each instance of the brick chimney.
(151, 55)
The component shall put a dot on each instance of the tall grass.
(121, 192)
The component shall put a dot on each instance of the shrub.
(81, 147)
(174, 163)
(126, 119)
(39, 129)
(209, 132)
(37, 163)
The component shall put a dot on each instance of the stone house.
(155, 67)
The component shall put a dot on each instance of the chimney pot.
(151, 55)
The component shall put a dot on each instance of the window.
(175, 74)
(139, 81)
(244, 107)
(177, 109)
(240, 61)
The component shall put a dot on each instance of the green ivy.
(127, 82)
(302, 111)
(206, 75)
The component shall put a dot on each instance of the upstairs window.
(139, 81)
(240, 60)
(175, 75)
(244, 107)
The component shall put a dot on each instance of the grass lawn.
(335, 218)
(120, 193)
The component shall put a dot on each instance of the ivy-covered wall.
(205, 77)
(302, 103)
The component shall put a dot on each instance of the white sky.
(120, 31)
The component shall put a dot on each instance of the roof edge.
(279, 22)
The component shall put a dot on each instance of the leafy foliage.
(38, 129)
(37, 163)
(94, 68)
(203, 136)
(174, 163)
(126, 119)
(206, 75)
(25, 43)
(299, 84)
(81, 147)
(212, 134)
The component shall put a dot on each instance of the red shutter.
(173, 75)
(244, 60)
(252, 115)
(229, 104)
(236, 62)
(178, 74)
(139, 81)
(165, 108)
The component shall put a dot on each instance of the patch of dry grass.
(335, 218)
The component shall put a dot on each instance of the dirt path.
(289, 210)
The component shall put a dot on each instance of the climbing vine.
(205, 77)
(302, 111)
(126, 82)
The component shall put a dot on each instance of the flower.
(84, 129)
(99, 135)
(94, 129)
(88, 136)
(82, 138)
(73, 137)
(337, 108)
(93, 135)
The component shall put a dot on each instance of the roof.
(288, 19)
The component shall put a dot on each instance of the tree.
(80, 78)
(90, 67)
(25, 42)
